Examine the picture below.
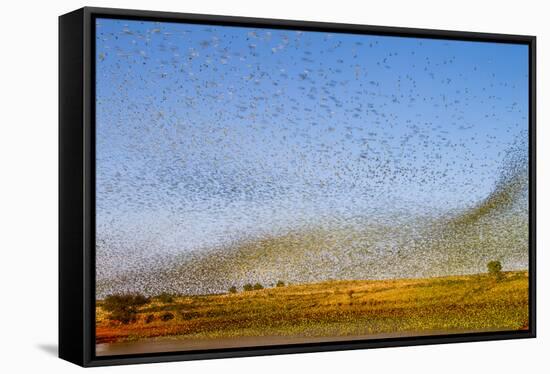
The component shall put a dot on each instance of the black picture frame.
(77, 184)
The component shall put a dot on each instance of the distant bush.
(123, 308)
(280, 284)
(123, 316)
(233, 289)
(114, 303)
(248, 287)
(165, 297)
(187, 315)
(258, 286)
(150, 318)
(167, 316)
(495, 268)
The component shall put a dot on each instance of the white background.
(28, 188)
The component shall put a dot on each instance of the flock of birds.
(210, 138)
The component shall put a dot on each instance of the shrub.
(258, 286)
(233, 289)
(280, 284)
(150, 318)
(165, 297)
(114, 303)
(494, 268)
(123, 308)
(123, 316)
(187, 315)
(167, 316)
(248, 287)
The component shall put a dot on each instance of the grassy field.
(335, 309)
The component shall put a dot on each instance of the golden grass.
(336, 309)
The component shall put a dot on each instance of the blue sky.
(209, 134)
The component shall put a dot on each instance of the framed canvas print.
(237, 186)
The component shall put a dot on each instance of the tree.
(495, 268)
(258, 286)
(233, 289)
(248, 287)
(280, 284)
